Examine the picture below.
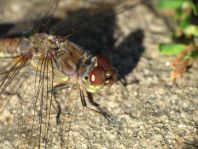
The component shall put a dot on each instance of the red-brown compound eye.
(97, 76)
(103, 61)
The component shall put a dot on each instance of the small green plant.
(185, 35)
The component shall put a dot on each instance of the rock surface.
(145, 108)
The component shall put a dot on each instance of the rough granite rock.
(145, 108)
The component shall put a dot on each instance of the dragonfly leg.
(59, 86)
(96, 105)
(57, 106)
(58, 121)
(82, 97)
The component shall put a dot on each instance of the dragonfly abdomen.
(15, 46)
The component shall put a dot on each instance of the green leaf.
(194, 54)
(170, 4)
(171, 49)
(194, 8)
(185, 23)
(191, 30)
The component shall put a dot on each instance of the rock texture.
(145, 109)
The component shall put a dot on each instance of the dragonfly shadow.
(4, 28)
(99, 38)
(95, 32)
(129, 53)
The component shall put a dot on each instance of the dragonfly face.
(94, 72)
(98, 75)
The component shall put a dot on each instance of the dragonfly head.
(99, 75)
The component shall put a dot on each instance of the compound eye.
(103, 62)
(97, 76)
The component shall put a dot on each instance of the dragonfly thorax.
(94, 73)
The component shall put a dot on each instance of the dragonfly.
(60, 62)
(56, 63)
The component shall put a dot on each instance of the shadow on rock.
(98, 37)
(95, 32)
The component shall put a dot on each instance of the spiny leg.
(59, 111)
(97, 106)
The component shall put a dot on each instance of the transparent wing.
(25, 95)
(25, 92)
